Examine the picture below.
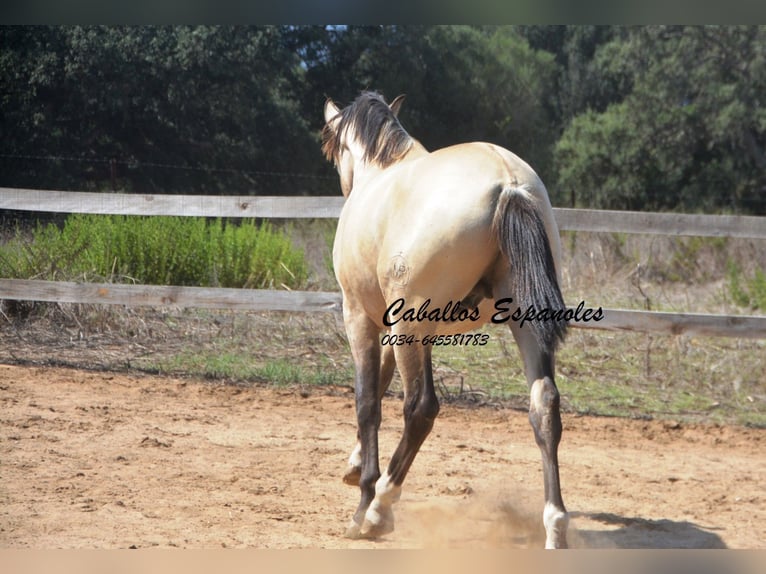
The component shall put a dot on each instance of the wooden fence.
(329, 207)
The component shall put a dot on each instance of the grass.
(634, 375)
(157, 251)
(238, 367)
(714, 380)
(749, 292)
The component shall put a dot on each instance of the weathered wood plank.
(753, 327)
(177, 205)
(169, 296)
(744, 326)
(661, 223)
(329, 207)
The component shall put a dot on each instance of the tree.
(463, 83)
(580, 82)
(689, 132)
(178, 109)
(650, 117)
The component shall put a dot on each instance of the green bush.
(158, 251)
(747, 292)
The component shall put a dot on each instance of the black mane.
(375, 127)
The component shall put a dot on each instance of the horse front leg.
(354, 469)
(545, 418)
(421, 406)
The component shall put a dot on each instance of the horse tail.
(534, 283)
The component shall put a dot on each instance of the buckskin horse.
(431, 245)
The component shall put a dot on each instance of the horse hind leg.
(365, 348)
(546, 422)
(545, 419)
(421, 406)
(354, 468)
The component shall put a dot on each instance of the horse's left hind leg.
(365, 348)
(545, 418)
(354, 469)
(421, 406)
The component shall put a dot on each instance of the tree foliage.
(645, 118)
(686, 128)
(181, 109)
(462, 83)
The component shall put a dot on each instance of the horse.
(429, 246)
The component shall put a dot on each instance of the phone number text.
(459, 340)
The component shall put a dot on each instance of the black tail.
(524, 241)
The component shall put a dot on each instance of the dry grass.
(718, 380)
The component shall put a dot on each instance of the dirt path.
(101, 460)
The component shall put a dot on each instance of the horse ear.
(330, 110)
(397, 104)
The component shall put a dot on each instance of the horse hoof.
(353, 531)
(370, 530)
(556, 522)
(352, 476)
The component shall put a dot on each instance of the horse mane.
(375, 128)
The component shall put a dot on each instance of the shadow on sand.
(639, 533)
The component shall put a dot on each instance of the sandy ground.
(105, 460)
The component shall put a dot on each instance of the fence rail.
(329, 207)
(743, 326)
(169, 296)
(182, 205)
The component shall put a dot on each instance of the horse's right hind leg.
(545, 418)
(354, 469)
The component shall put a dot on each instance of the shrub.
(156, 250)
(747, 292)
